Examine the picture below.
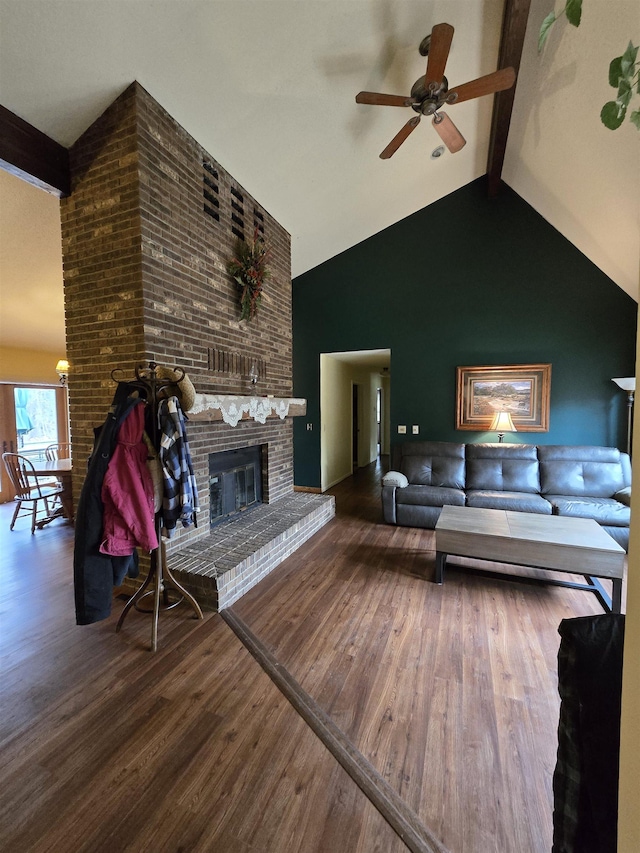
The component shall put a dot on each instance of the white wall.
(335, 421)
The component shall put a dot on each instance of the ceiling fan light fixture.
(448, 132)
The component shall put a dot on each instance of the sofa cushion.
(597, 472)
(514, 501)
(503, 467)
(603, 510)
(429, 496)
(433, 463)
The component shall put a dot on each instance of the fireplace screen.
(235, 482)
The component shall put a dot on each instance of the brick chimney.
(147, 230)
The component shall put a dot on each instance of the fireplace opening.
(235, 482)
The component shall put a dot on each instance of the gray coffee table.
(574, 545)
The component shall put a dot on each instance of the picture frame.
(523, 390)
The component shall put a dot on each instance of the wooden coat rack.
(159, 579)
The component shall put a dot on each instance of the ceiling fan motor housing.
(428, 99)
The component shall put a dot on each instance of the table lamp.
(502, 423)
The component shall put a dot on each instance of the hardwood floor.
(449, 692)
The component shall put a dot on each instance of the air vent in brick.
(258, 221)
(233, 363)
(237, 213)
(211, 191)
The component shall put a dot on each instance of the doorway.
(350, 428)
(31, 418)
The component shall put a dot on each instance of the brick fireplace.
(147, 230)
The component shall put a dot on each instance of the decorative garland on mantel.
(233, 407)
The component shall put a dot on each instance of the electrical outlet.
(402, 429)
(309, 427)
(415, 429)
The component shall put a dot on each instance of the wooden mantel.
(232, 408)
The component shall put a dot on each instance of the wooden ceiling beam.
(32, 155)
(514, 27)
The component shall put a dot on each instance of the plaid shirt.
(180, 501)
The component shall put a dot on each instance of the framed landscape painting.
(523, 390)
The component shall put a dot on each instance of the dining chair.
(28, 488)
(57, 451)
(53, 452)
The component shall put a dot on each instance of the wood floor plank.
(459, 700)
(448, 691)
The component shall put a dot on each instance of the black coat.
(96, 574)
(585, 781)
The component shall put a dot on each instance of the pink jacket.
(127, 492)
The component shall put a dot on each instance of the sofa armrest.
(624, 496)
(389, 504)
(395, 478)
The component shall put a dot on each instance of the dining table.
(61, 470)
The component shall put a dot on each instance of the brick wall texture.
(147, 231)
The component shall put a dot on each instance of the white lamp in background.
(62, 369)
(502, 423)
(628, 384)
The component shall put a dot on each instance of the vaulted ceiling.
(268, 88)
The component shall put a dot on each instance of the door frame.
(8, 432)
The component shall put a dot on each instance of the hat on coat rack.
(181, 388)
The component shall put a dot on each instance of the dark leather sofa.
(583, 482)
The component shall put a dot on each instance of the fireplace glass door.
(235, 482)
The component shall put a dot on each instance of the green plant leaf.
(615, 71)
(573, 11)
(628, 60)
(612, 115)
(624, 93)
(544, 30)
(635, 118)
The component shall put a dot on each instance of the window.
(36, 419)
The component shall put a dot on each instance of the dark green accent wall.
(468, 281)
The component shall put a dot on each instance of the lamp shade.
(627, 383)
(62, 366)
(502, 423)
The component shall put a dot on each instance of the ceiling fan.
(431, 92)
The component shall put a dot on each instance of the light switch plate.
(402, 429)
(415, 429)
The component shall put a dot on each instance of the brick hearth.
(239, 553)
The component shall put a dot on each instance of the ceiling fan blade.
(400, 137)
(383, 100)
(441, 38)
(487, 85)
(448, 132)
